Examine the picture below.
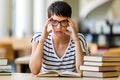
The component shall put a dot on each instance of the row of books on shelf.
(5, 69)
(101, 66)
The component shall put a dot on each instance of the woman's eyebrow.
(61, 20)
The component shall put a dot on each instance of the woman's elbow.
(33, 70)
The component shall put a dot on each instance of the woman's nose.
(58, 26)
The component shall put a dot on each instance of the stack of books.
(5, 69)
(100, 66)
(118, 69)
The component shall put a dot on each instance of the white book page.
(69, 73)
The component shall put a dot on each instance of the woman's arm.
(36, 57)
(37, 50)
(79, 55)
(78, 49)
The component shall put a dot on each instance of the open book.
(55, 73)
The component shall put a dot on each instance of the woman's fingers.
(68, 32)
(72, 25)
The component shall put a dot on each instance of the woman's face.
(59, 25)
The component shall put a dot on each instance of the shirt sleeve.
(83, 43)
(36, 37)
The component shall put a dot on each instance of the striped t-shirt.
(51, 61)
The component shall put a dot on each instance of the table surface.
(29, 76)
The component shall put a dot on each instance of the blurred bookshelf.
(92, 28)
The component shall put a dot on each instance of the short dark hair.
(59, 8)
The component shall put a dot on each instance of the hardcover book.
(5, 73)
(100, 74)
(2, 67)
(98, 68)
(101, 58)
(3, 61)
(109, 63)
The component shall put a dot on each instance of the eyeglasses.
(63, 23)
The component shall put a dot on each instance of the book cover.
(98, 68)
(92, 63)
(101, 58)
(100, 74)
(5, 73)
(55, 73)
(3, 61)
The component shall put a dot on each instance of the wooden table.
(20, 61)
(19, 44)
(29, 76)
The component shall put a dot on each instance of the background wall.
(8, 21)
(115, 9)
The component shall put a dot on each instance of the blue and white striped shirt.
(51, 61)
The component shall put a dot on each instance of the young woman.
(57, 48)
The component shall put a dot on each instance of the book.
(100, 74)
(5, 73)
(55, 73)
(101, 58)
(119, 73)
(98, 68)
(101, 63)
(3, 61)
(2, 67)
(118, 68)
(5, 69)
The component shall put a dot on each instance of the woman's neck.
(62, 39)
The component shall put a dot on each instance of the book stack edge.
(4, 67)
(101, 66)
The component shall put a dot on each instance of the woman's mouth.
(59, 32)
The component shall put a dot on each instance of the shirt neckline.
(60, 58)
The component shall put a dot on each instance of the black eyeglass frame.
(62, 23)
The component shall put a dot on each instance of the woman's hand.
(73, 31)
(46, 30)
